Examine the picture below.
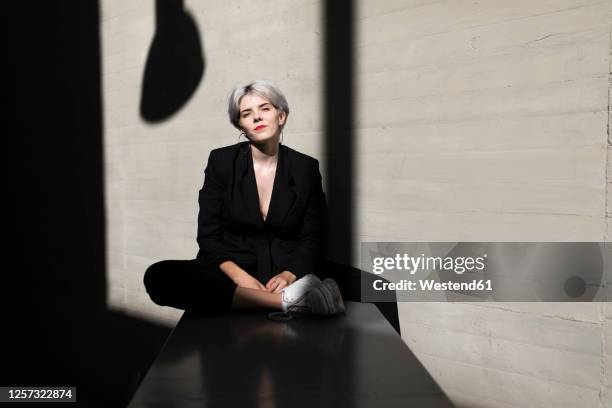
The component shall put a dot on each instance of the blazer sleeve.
(210, 199)
(311, 251)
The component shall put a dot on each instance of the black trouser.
(189, 285)
(202, 287)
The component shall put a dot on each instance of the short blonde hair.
(260, 87)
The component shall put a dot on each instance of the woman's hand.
(247, 281)
(280, 281)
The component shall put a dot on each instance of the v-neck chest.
(271, 183)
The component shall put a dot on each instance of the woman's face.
(259, 119)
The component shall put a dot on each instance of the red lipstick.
(260, 127)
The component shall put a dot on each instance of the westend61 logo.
(412, 264)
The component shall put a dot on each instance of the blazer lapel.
(283, 193)
(248, 185)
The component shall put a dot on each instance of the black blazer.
(230, 226)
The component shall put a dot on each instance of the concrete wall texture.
(474, 121)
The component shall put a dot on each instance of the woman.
(261, 226)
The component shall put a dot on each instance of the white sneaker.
(297, 289)
(323, 298)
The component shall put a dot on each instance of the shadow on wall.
(339, 19)
(175, 64)
(59, 328)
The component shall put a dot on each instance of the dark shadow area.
(339, 66)
(58, 328)
(339, 143)
(175, 64)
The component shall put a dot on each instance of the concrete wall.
(488, 121)
(474, 121)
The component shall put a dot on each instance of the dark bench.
(246, 360)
